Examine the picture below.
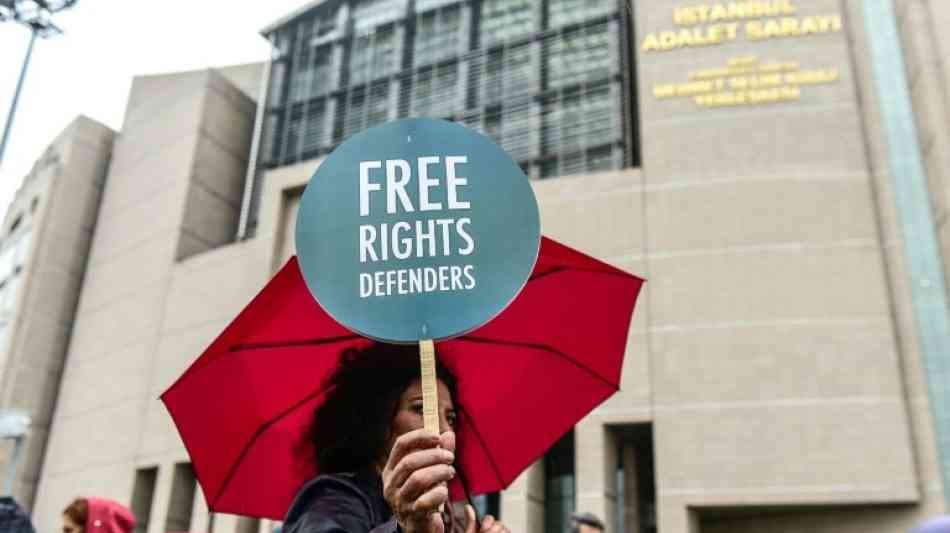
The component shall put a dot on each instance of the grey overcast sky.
(89, 69)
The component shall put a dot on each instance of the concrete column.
(631, 489)
(161, 497)
(199, 513)
(225, 523)
(522, 504)
(268, 526)
(248, 525)
(595, 472)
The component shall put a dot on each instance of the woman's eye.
(416, 408)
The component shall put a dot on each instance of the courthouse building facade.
(783, 370)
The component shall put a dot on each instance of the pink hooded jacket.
(107, 516)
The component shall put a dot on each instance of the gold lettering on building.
(746, 80)
(725, 22)
(707, 13)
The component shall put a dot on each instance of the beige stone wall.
(57, 206)
(247, 78)
(771, 332)
(173, 190)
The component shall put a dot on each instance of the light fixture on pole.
(37, 16)
(14, 424)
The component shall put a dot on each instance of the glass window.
(315, 128)
(578, 120)
(294, 130)
(283, 40)
(378, 109)
(371, 13)
(300, 77)
(487, 504)
(182, 499)
(6, 261)
(22, 247)
(325, 28)
(10, 293)
(504, 20)
(275, 93)
(493, 126)
(270, 142)
(582, 129)
(602, 116)
(423, 5)
(438, 36)
(579, 55)
(313, 74)
(561, 12)
(15, 224)
(366, 108)
(143, 493)
(509, 74)
(599, 159)
(355, 110)
(4, 339)
(373, 56)
(559, 485)
(435, 92)
(518, 130)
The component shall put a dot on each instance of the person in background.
(586, 523)
(13, 519)
(97, 515)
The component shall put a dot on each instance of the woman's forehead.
(414, 391)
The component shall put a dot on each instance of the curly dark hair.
(351, 428)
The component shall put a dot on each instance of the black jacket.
(12, 518)
(341, 503)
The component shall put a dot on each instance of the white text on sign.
(439, 236)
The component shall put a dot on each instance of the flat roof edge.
(290, 16)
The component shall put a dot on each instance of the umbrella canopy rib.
(260, 431)
(290, 344)
(481, 441)
(545, 348)
(558, 270)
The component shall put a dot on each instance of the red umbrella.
(524, 379)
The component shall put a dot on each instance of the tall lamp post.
(37, 16)
(14, 424)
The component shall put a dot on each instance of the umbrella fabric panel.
(546, 391)
(239, 393)
(281, 454)
(594, 334)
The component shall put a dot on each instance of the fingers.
(407, 442)
(423, 480)
(447, 440)
(417, 461)
(430, 501)
(470, 519)
(490, 525)
(415, 479)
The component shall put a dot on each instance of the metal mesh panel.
(546, 79)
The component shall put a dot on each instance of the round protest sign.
(417, 229)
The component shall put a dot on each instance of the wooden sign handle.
(430, 393)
